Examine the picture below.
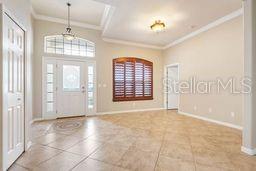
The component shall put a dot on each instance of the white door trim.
(166, 86)
(5, 11)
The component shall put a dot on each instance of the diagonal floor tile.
(62, 162)
(85, 147)
(65, 142)
(48, 138)
(35, 155)
(109, 153)
(135, 159)
(172, 164)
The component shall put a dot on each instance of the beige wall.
(215, 53)
(20, 9)
(105, 52)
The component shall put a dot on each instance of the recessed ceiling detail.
(130, 20)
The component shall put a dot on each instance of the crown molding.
(206, 28)
(33, 13)
(105, 16)
(108, 15)
(132, 43)
(108, 19)
(63, 21)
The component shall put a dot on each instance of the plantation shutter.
(132, 79)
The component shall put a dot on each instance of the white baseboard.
(212, 120)
(104, 113)
(41, 119)
(249, 151)
(128, 111)
(37, 119)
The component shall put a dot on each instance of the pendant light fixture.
(68, 35)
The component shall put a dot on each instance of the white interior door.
(13, 91)
(173, 97)
(71, 88)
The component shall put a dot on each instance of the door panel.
(71, 88)
(13, 78)
(172, 96)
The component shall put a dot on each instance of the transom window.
(132, 79)
(77, 47)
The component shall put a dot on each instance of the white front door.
(71, 87)
(172, 73)
(13, 91)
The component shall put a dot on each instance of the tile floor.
(142, 141)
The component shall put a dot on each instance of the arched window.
(132, 79)
(77, 47)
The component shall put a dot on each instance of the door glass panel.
(71, 78)
(50, 87)
(49, 97)
(49, 78)
(90, 87)
(49, 107)
(49, 68)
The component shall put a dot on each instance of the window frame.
(134, 98)
(81, 42)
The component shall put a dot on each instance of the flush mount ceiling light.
(68, 34)
(158, 26)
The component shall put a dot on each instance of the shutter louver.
(129, 79)
(132, 79)
(138, 79)
(119, 79)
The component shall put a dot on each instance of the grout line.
(115, 165)
(192, 151)
(19, 166)
(160, 148)
(86, 157)
(61, 151)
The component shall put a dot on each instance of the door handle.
(19, 99)
(83, 89)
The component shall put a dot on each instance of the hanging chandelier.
(68, 35)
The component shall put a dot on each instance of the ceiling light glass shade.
(68, 35)
(158, 26)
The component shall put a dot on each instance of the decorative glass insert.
(90, 87)
(77, 47)
(71, 78)
(49, 85)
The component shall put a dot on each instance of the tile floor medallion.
(141, 141)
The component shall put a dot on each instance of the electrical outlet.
(210, 110)
(104, 85)
(232, 114)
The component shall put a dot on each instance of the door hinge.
(56, 88)
(56, 112)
